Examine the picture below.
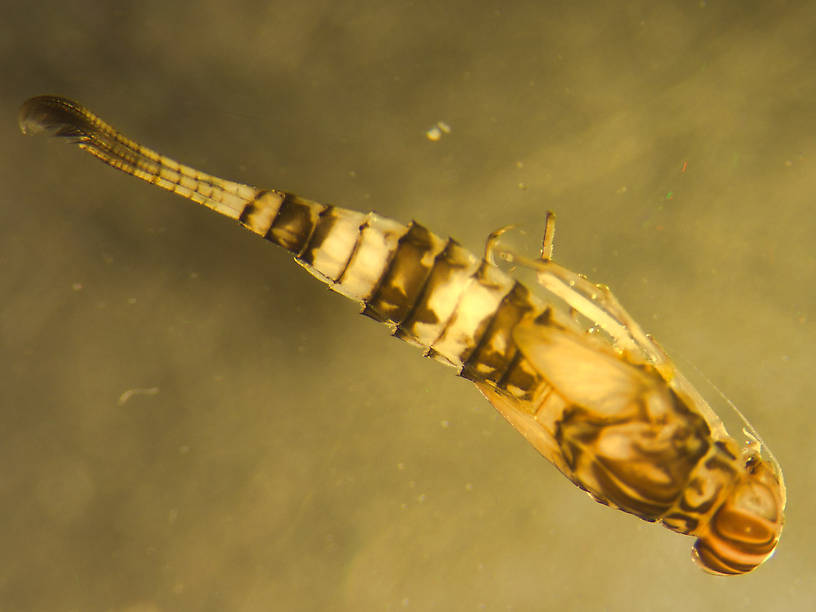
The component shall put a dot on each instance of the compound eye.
(743, 533)
(750, 516)
(705, 557)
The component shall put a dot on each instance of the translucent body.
(568, 368)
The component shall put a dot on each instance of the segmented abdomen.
(432, 292)
(620, 427)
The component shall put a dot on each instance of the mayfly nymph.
(571, 371)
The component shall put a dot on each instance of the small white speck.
(131, 392)
(436, 132)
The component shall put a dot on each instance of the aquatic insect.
(570, 369)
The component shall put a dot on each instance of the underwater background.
(189, 421)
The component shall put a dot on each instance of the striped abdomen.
(614, 417)
(432, 292)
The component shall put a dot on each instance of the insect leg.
(492, 247)
(594, 302)
(548, 241)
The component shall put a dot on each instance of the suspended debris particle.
(131, 392)
(435, 133)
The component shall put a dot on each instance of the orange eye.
(751, 530)
(722, 555)
(745, 530)
(712, 562)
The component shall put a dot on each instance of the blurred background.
(189, 421)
